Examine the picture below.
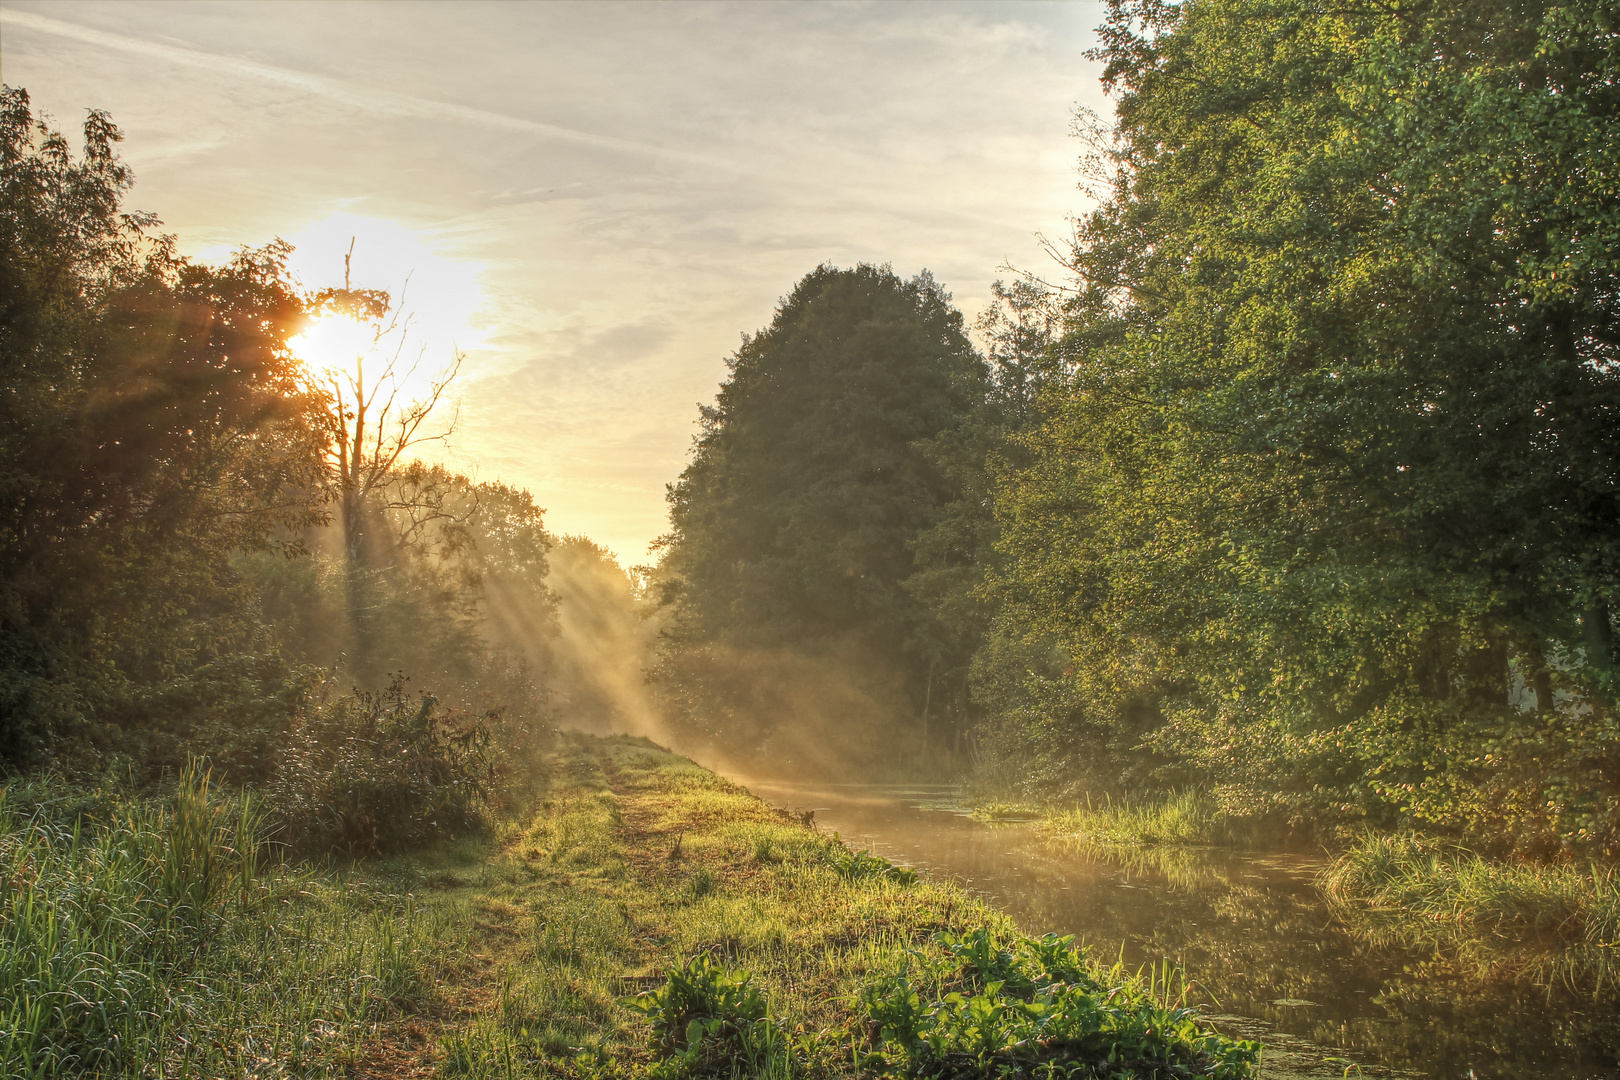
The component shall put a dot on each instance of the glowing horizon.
(591, 202)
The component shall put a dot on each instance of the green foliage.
(793, 528)
(153, 423)
(381, 772)
(1036, 1008)
(1318, 508)
(708, 1021)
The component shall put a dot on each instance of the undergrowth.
(158, 942)
(647, 919)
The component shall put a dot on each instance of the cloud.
(367, 99)
(629, 187)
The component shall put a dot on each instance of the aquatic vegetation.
(1559, 920)
(1188, 817)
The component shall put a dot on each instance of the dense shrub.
(380, 772)
(981, 1007)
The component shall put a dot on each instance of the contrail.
(409, 106)
(379, 102)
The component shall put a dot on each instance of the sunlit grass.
(156, 943)
(1559, 921)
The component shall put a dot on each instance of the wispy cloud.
(366, 99)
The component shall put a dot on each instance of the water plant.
(1562, 919)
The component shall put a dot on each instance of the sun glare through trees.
(1240, 586)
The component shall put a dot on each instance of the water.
(1253, 933)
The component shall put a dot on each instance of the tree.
(794, 525)
(152, 425)
(1327, 507)
(372, 419)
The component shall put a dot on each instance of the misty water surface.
(1254, 934)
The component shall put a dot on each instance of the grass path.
(515, 955)
(634, 859)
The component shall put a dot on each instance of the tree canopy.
(1325, 511)
(794, 526)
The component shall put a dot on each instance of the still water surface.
(1252, 931)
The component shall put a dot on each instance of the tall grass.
(158, 942)
(1186, 817)
(1562, 919)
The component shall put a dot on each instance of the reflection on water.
(1252, 931)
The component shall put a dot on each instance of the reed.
(1562, 918)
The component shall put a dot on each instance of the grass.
(648, 918)
(1184, 818)
(157, 944)
(1557, 921)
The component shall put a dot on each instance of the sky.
(592, 201)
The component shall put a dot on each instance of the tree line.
(210, 552)
(1301, 486)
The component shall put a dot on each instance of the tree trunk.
(928, 694)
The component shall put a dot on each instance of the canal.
(1267, 958)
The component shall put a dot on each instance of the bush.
(372, 773)
(1036, 1007)
(708, 1021)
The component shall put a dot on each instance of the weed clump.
(979, 1007)
(710, 1021)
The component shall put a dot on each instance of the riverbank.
(646, 918)
(1548, 923)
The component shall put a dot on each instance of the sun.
(335, 346)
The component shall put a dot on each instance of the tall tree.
(379, 399)
(1328, 507)
(794, 527)
(152, 424)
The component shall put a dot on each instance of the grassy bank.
(1559, 921)
(1546, 922)
(648, 918)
